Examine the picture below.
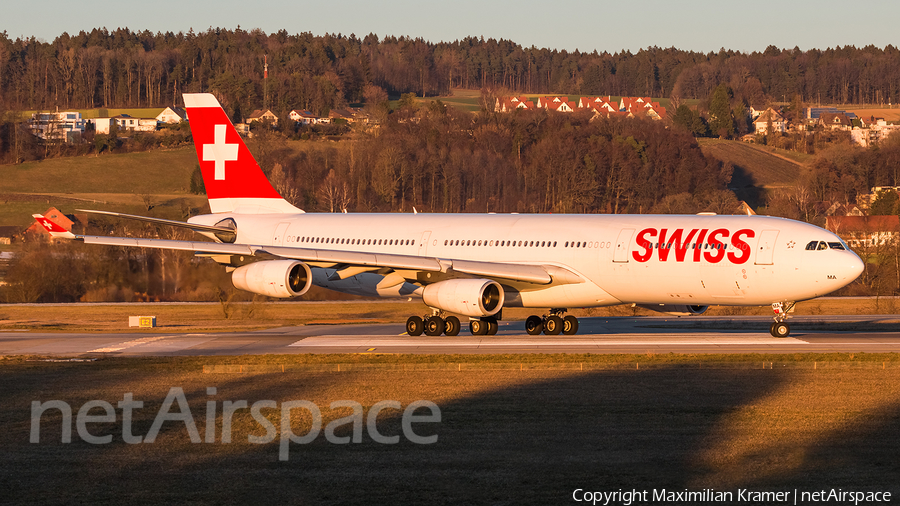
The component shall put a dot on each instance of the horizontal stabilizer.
(228, 232)
(55, 230)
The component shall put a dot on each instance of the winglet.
(55, 231)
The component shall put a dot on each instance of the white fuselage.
(643, 259)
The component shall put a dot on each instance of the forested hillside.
(453, 161)
(142, 69)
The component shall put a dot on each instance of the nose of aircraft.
(853, 267)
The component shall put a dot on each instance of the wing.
(345, 263)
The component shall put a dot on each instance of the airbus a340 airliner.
(474, 265)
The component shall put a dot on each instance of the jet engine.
(274, 278)
(675, 309)
(469, 297)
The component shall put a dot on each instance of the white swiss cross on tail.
(233, 180)
(220, 152)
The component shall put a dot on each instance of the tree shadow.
(506, 437)
(745, 188)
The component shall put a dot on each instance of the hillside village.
(606, 107)
(863, 131)
(70, 126)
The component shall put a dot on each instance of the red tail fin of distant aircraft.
(55, 230)
(233, 180)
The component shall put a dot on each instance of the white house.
(260, 115)
(304, 117)
(172, 115)
(770, 115)
(125, 122)
(64, 126)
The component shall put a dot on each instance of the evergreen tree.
(885, 203)
(720, 120)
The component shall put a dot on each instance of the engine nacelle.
(675, 309)
(469, 297)
(274, 278)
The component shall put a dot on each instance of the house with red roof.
(835, 121)
(560, 104)
(509, 104)
(864, 230)
(641, 107)
(598, 104)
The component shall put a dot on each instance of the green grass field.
(107, 182)
(157, 171)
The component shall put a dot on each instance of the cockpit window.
(822, 245)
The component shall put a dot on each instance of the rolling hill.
(110, 182)
(756, 168)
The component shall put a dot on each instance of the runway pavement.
(810, 334)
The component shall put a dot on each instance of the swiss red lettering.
(644, 243)
(699, 249)
(743, 249)
(681, 246)
(663, 245)
(716, 252)
(710, 246)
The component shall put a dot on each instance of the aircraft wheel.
(553, 325)
(451, 326)
(780, 329)
(478, 327)
(415, 326)
(434, 326)
(534, 325)
(493, 326)
(570, 325)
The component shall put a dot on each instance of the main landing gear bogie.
(433, 326)
(552, 325)
(484, 326)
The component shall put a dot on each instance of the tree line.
(124, 68)
(441, 159)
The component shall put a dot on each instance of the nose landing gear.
(781, 328)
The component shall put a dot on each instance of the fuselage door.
(766, 247)
(621, 254)
(280, 230)
(423, 243)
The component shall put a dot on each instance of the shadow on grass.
(506, 437)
